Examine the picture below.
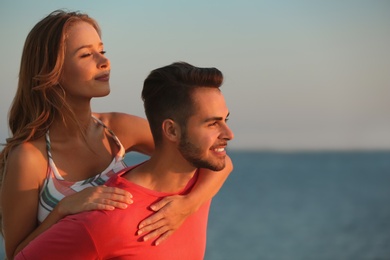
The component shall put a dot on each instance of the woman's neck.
(76, 126)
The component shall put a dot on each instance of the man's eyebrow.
(216, 118)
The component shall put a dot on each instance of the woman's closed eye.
(88, 54)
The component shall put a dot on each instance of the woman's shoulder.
(30, 150)
(118, 121)
(27, 158)
(133, 131)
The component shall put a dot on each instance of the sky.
(299, 75)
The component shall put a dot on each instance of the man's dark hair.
(167, 93)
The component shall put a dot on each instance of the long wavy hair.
(39, 98)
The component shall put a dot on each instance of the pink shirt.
(112, 234)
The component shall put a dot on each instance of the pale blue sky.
(298, 74)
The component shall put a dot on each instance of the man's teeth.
(219, 149)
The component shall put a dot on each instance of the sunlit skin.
(86, 68)
(85, 76)
(203, 143)
(207, 132)
(169, 170)
(205, 138)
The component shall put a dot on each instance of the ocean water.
(301, 206)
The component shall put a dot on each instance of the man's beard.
(193, 154)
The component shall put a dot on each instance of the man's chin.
(218, 167)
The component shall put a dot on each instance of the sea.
(301, 206)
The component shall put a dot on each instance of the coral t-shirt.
(112, 234)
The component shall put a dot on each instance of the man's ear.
(171, 130)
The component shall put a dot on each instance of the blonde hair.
(39, 98)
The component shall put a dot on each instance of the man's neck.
(162, 173)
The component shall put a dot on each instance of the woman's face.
(86, 70)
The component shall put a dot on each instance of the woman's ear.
(171, 130)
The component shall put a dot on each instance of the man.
(187, 115)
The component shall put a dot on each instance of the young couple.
(61, 153)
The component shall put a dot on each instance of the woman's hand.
(94, 198)
(170, 214)
(173, 210)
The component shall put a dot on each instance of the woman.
(61, 153)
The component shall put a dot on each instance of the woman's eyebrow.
(87, 46)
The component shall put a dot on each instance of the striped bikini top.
(56, 188)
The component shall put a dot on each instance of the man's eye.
(103, 52)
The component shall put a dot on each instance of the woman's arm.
(132, 131)
(26, 170)
(19, 195)
(173, 210)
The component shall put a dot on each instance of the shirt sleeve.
(68, 239)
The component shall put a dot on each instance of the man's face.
(204, 140)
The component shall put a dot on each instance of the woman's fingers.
(162, 203)
(158, 229)
(163, 237)
(95, 198)
(109, 198)
(112, 195)
(156, 225)
(171, 213)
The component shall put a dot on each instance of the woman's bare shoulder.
(118, 121)
(32, 150)
(133, 131)
(28, 160)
